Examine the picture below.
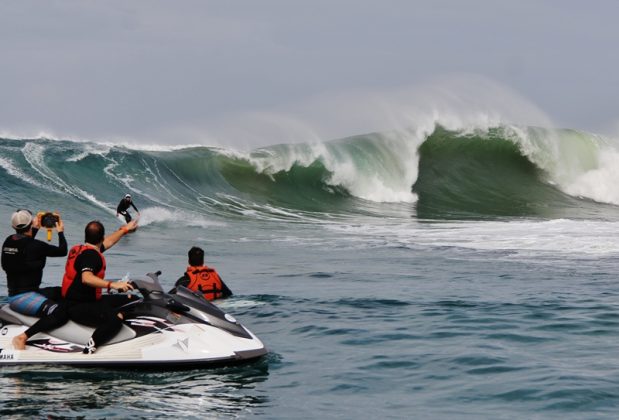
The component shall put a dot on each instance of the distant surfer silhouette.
(123, 206)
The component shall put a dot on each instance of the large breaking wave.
(472, 173)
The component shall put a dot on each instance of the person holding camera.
(84, 281)
(23, 260)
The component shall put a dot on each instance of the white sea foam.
(12, 170)
(89, 149)
(235, 303)
(524, 238)
(580, 164)
(99, 143)
(152, 215)
(601, 183)
(149, 147)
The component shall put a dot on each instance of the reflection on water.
(51, 391)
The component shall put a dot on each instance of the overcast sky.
(181, 72)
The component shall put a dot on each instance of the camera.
(48, 219)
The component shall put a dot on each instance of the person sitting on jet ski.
(83, 283)
(123, 206)
(23, 260)
(200, 278)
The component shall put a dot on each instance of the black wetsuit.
(23, 260)
(123, 206)
(84, 308)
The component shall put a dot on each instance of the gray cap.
(20, 219)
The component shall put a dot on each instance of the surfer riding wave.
(123, 206)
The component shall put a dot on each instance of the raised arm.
(111, 239)
(49, 250)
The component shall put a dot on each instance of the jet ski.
(170, 330)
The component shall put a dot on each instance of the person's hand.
(122, 286)
(132, 226)
(60, 225)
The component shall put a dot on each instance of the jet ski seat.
(71, 331)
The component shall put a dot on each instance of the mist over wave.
(438, 172)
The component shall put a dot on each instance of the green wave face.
(299, 187)
(476, 176)
(485, 175)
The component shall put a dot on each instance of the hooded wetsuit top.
(23, 260)
(82, 258)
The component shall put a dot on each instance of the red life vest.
(206, 280)
(70, 274)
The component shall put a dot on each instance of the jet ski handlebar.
(148, 284)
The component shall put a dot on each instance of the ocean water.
(465, 273)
